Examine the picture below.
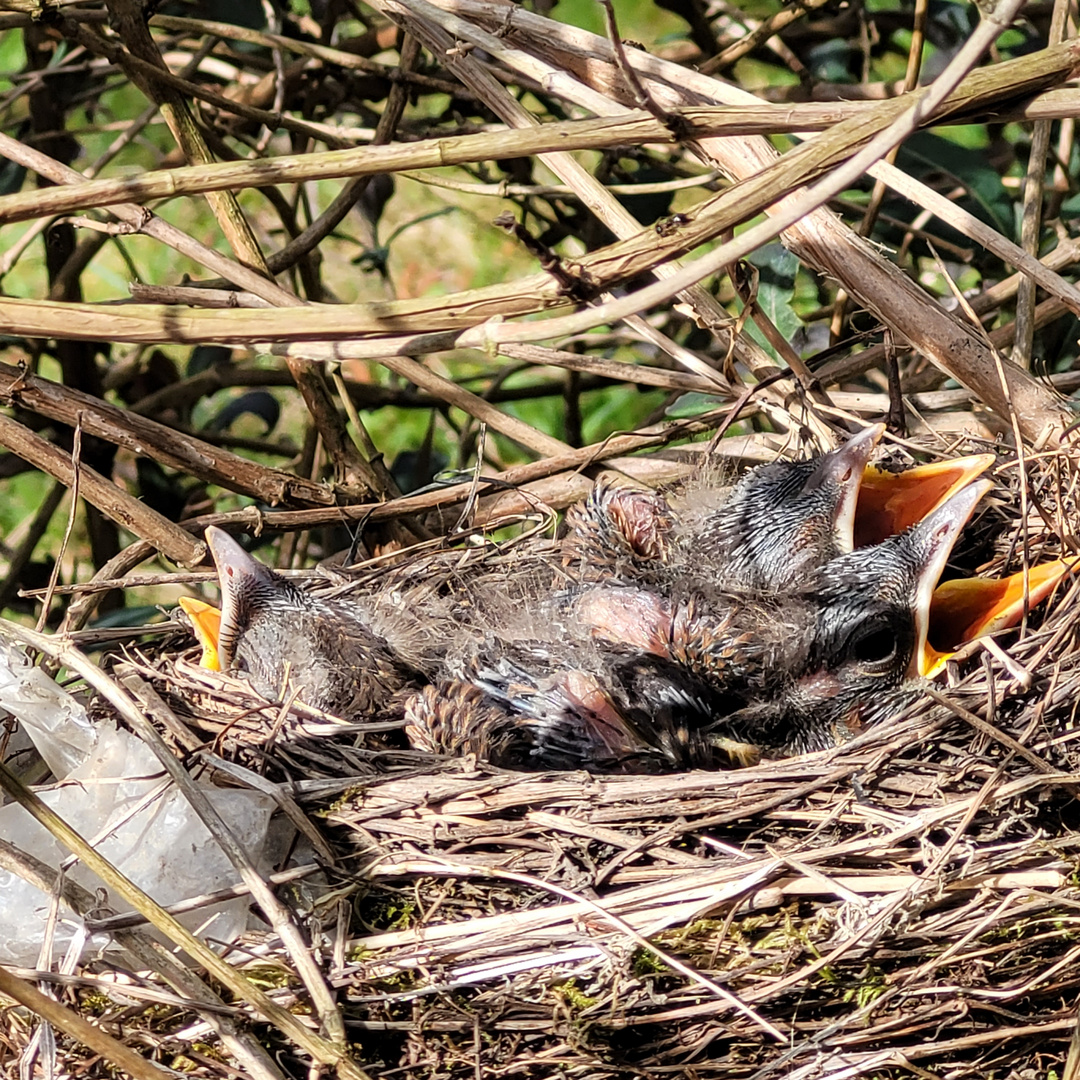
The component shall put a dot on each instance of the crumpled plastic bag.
(56, 723)
(108, 778)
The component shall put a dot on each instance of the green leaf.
(776, 268)
(924, 154)
(692, 403)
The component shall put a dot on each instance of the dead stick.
(148, 438)
(171, 540)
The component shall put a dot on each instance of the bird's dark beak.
(241, 577)
(969, 608)
(206, 623)
(889, 503)
(931, 543)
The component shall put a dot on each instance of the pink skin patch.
(633, 617)
(604, 720)
(819, 684)
(640, 519)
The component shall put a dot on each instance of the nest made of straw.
(901, 905)
(907, 896)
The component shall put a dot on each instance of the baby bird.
(694, 680)
(511, 717)
(871, 615)
(336, 652)
(781, 520)
(777, 523)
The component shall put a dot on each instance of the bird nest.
(906, 898)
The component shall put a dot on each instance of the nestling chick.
(777, 523)
(871, 612)
(515, 719)
(785, 674)
(334, 651)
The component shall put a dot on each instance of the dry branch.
(172, 541)
(819, 238)
(164, 444)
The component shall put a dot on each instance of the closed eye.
(875, 645)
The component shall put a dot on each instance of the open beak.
(874, 503)
(845, 468)
(889, 503)
(930, 544)
(242, 580)
(206, 622)
(969, 608)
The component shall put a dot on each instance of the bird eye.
(876, 645)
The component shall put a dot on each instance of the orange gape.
(891, 502)
(968, 608)
(206, 622)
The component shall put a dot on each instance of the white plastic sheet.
(110, 786)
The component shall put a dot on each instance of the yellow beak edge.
(206, 622)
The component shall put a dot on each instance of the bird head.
(330, 651)
(784, 519)
(903, 572)
(252, 595)
(265, 626)
(871, 609)
(873, 604)
(248, 591)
